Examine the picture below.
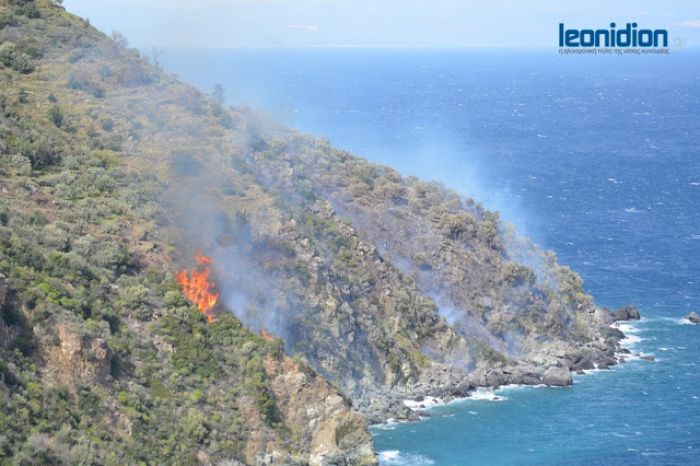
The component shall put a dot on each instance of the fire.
(197, 287)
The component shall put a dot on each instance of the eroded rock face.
(323, 420)
(72, 357)
(693, 317)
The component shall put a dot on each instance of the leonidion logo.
(616, 40)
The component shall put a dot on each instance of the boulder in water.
(629, 312)
(693, 317)
(557, 376)
(584, 364)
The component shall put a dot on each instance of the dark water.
(596, 158)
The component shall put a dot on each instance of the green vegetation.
(67, 265)
(102, 360)
(112, 171)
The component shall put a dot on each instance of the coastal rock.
(614, 334)
(522, 376)
(584, 364)
(557, 376)
(530, 379)
(648, 357)
(629, 312)
(604, 315)
(693, 317)
(608, 360)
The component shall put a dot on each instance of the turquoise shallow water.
(638, 413)
(596, 158)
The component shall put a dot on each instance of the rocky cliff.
(344, 287)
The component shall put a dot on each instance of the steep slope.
(102, 361)
(114, 173)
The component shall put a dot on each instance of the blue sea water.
(596, 158)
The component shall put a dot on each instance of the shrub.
(26, 8)
(7, 19)
(459, 227)
(41, 150)
(107, 124)
(13, 58)
(487, 232)
(132, 75)
(56, 116)
(517, 274)
(81, 83)
(21, 164)
(113, 257)
(76, 55)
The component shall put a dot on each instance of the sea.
(594, 157)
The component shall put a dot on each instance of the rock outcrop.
(383, 287)
(693, 317)
(557, 376)
(629, 312)
(321, 417)
(72, 358)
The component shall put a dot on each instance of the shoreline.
(421, 406)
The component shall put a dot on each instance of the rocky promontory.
(340, 286)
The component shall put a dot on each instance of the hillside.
(342, 287)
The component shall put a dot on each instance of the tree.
(218, 93)
(156, 53)
(119, 40)
(56, 116)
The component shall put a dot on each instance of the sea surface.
(594, 157)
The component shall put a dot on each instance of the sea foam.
(397, 458)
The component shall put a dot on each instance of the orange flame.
(197, 287)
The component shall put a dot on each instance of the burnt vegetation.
(104, 361)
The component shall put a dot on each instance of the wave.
(627, 327)
(631, 340)
(397, 458)
(480, 394)
(385, 425)
(635, 327)
(630, 330)
(486, 394)
(426, 403)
